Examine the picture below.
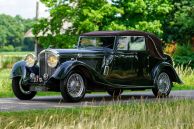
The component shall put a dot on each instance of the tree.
(12, 30)
(184, 20)
(156, 16)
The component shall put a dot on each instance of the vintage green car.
(110, 61)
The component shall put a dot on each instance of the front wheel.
(163, 85)
(73, 87)
(21, 91)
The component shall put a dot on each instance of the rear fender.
(169, 69)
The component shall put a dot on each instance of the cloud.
(25, 8)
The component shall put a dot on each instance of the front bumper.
(37, 83)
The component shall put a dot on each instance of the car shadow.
(99, 98)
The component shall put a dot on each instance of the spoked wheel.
(115, 92)
(73, 87)
(163, 85)
(20, 90)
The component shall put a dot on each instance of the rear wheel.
(163, 85)
(73, 87)
(20, 90)
(115, 92)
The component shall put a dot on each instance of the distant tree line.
(12, 30)
(171, 20)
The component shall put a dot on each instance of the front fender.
(63, 70)
(167, 67)
(19, 70)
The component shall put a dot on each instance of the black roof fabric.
(113, 33)
(154, 44)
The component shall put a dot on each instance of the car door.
(130, 64)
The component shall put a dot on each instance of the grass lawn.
(136, 115)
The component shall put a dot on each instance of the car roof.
(116, 33)
(155, 46)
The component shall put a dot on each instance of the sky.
(24, 8)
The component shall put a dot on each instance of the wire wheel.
(75, 85)
(163, 85)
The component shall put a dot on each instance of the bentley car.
(110, 61)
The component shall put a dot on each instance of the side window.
(137, 43)
(96, 42)
(123, 42)
(132, 43)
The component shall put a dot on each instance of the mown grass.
(172, 114)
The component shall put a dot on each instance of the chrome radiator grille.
(44, 68)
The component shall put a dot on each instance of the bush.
(7, 48)
(184, 56)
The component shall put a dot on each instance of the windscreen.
(96, 42)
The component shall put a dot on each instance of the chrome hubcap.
(22, 89)
(163, 83)
(75, 85)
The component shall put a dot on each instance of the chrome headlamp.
(52, 60)
(30, 60)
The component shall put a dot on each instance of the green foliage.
(154, 27)
(12, 30)
(28, 44)
(170, 20)
(184, 19)
(58, 41)
(91, 15)
(8, 48)
(184, 55)
(181, 23)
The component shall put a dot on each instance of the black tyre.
(21, 91)
(115, 92)
(73, 88)
(163, 85)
